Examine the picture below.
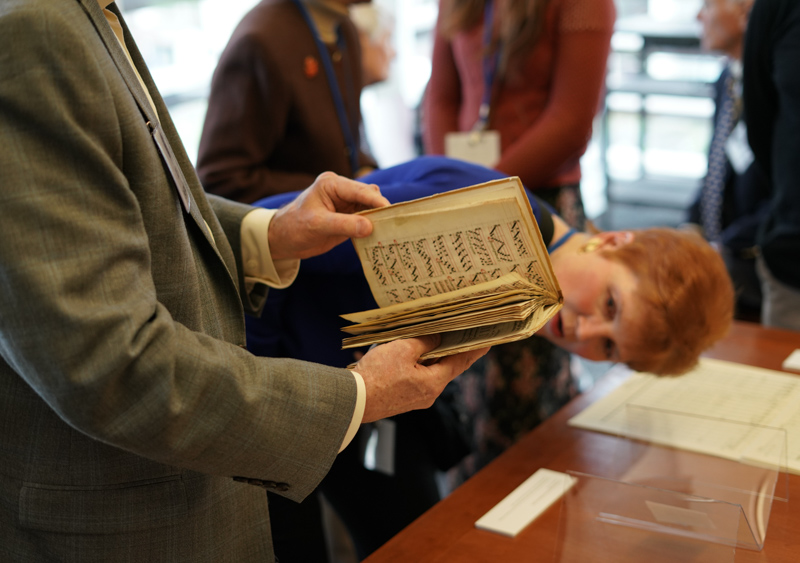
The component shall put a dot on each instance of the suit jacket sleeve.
(772, 102)
(116, 307)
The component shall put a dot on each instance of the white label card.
(479, 147)
(525, 503)
(792, 361)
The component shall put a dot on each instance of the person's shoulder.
(271, 16)
(267, 31)
(24, 24)
(42, 6)
(20, 11)
(21, 7)
(771, 16)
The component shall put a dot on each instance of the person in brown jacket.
(284, 102)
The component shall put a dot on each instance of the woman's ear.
(609, 240)
(618, 239)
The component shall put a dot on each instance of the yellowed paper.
(468, 264)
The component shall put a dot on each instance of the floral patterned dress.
(504, 395)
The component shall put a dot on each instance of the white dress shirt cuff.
(358, 413)
(256, 258)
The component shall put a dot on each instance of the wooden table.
(446, 533)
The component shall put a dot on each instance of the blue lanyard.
(489, 66)
(352, 149)
(564, 238)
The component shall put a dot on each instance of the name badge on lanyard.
(165, 150)
(481, 145)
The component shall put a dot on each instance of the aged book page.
(468, 264)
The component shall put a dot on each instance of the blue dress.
(503, 395)
(303, 320)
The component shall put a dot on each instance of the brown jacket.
(272, 125)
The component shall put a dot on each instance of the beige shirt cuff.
(256, 258)
(358, 413)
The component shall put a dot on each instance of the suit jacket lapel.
(118, 55)
(218, 243)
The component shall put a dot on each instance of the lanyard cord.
(489, 67)
(553, 247)
(352, 150)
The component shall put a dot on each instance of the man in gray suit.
(133, 424)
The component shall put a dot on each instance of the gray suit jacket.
(127, 402)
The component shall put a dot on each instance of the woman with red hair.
(653, 299)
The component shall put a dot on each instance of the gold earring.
(591, 245)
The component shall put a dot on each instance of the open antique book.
(469, 264)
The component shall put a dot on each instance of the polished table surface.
(447, 533)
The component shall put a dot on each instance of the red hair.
(686, 294)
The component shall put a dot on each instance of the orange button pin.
(310, 66)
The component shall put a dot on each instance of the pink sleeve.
(442, 98)
(565, 126)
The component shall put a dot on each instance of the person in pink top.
(539, 73)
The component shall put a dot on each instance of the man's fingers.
(423, 344)
(357, 194)
(369, 196)
(450, 367)
(347, 226)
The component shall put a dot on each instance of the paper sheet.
(715, 390)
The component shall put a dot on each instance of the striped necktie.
(714, 183)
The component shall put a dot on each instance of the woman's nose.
(591, 327)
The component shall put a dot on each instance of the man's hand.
(396, 383)
(321, 217)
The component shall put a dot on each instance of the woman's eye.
(611, 306)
